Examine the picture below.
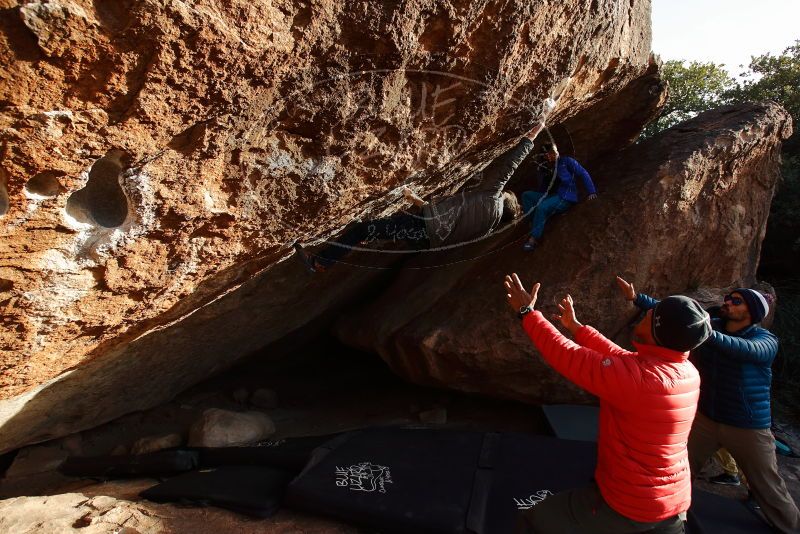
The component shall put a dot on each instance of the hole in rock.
(190, 138)
(6, 460)
(3, 195)
(83, 521)
(102, 201)
(44, 184)
(114, 15)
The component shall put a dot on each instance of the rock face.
(157, 160)
(685, 209)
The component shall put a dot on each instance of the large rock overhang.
(159, 159)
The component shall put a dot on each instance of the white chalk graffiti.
(533, 500)
(272, 443)
(364, 476)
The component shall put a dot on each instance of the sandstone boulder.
(156, 443)
(223, 428)
(683, 210)
(36, 459)
(151, 188)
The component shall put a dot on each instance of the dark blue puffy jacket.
(735, 372)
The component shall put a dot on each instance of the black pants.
(584, 511)
(406, 229)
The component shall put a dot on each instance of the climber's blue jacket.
(735, 372)
(566, 170)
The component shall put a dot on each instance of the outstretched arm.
(645, 302)
(497, 174)
(610, 377)
(586, 335)
(642, 301)
(761, 348)
(589, 337)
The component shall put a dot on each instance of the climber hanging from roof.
(556, 193)
(451, 220)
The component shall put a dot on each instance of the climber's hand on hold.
(412, 197)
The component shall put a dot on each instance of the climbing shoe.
(751, 503)
(306, 259)
(529, 246)
(725, 479)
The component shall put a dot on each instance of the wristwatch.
(523, 311)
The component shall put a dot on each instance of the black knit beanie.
(756, 304)
(680, 323)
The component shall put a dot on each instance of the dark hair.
(548, 147)
(511, 207)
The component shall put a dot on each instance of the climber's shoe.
(310, 263)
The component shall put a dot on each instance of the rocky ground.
(325, 391)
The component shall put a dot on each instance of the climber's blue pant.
(548, 207)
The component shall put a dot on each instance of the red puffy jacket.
(647, 404)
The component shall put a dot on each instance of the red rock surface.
(157, 160)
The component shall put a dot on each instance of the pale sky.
(724, 31)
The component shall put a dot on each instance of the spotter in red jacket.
(648, 401)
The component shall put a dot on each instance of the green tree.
(696, 87)
(772, 78)
(777, 78)
(693, 87)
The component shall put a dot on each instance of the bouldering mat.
(153, 464)
(248, 489)
(433, 480)
(572, 421)
(714, 514)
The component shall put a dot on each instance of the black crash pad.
(714, 514)
(291, 454)
(572, 421)
(248, 489)
(433, 480)
(395, 480)
(523, 470)
(288, 453)
(153, 464)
